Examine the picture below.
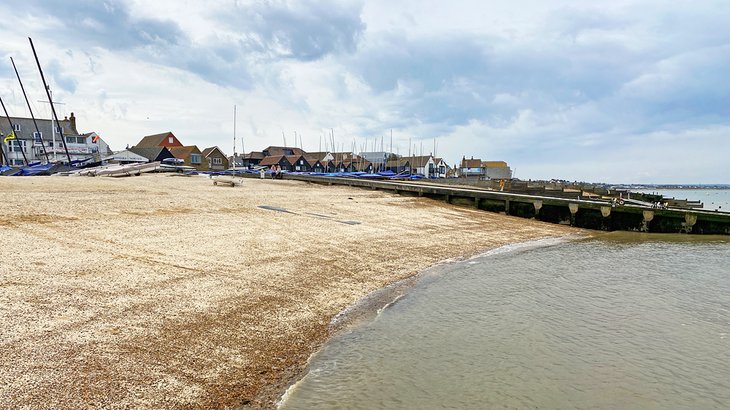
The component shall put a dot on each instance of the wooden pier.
(589, 214)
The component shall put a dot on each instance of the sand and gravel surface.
(169, 292)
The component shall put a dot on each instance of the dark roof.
(274, 151)
(272, 159)
(27, 128)
(253, 155)
(152, 153)
(316, 155)
(471, 163)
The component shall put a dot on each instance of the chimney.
(73, 122)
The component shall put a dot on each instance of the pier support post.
(447, 198)
(606, 211)
(689, 221)
(476, 203)
(648, 217)
(573, 208)
(506, 206)
(538, 206)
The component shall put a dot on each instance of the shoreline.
(155, 291)
(369, 307)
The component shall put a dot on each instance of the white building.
(35, 144)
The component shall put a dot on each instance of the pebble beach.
(164, 291)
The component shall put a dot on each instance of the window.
(170, 140)
(218, 161)
(17, 162)
(76, 140)
(17, 145)
(16, 127)
(37, 139)
(58, 129)
(195, 158)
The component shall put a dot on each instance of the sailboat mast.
(53, 109)
(17, 140)
(43, 145)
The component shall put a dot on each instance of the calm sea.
(712, 199)
(625, 321)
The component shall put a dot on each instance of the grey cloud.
(300, 30)
(106, 24)
(66, 82)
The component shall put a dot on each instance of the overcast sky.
(613, 91)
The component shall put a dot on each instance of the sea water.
(624, 321)
(712, 199)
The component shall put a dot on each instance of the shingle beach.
(165, 291)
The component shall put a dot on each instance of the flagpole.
(2, 153)
(53, 109)
(12, 132)
(43, 145)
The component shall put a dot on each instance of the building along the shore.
(191, 156)
(80, 146)
(165, 139)
(216, 159)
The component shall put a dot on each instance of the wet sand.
(165, 292)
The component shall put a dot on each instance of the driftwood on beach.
(154, 291)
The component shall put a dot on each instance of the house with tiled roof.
(249, 160)
(316, 165)
(165, 139)
(398, 165)
(190, 155)
(423, 165)
(215, 158)
(441, 167)
(471, 167)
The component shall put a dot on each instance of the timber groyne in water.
(582, 213)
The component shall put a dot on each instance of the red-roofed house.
(166, 139)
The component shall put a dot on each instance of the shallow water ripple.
(616, 323)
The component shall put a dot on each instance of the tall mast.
(43, 145)
(53, 109)
(17, 140)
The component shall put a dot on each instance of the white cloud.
(618, 92)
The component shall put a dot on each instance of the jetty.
(583, 213)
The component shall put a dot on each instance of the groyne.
(582, 213)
